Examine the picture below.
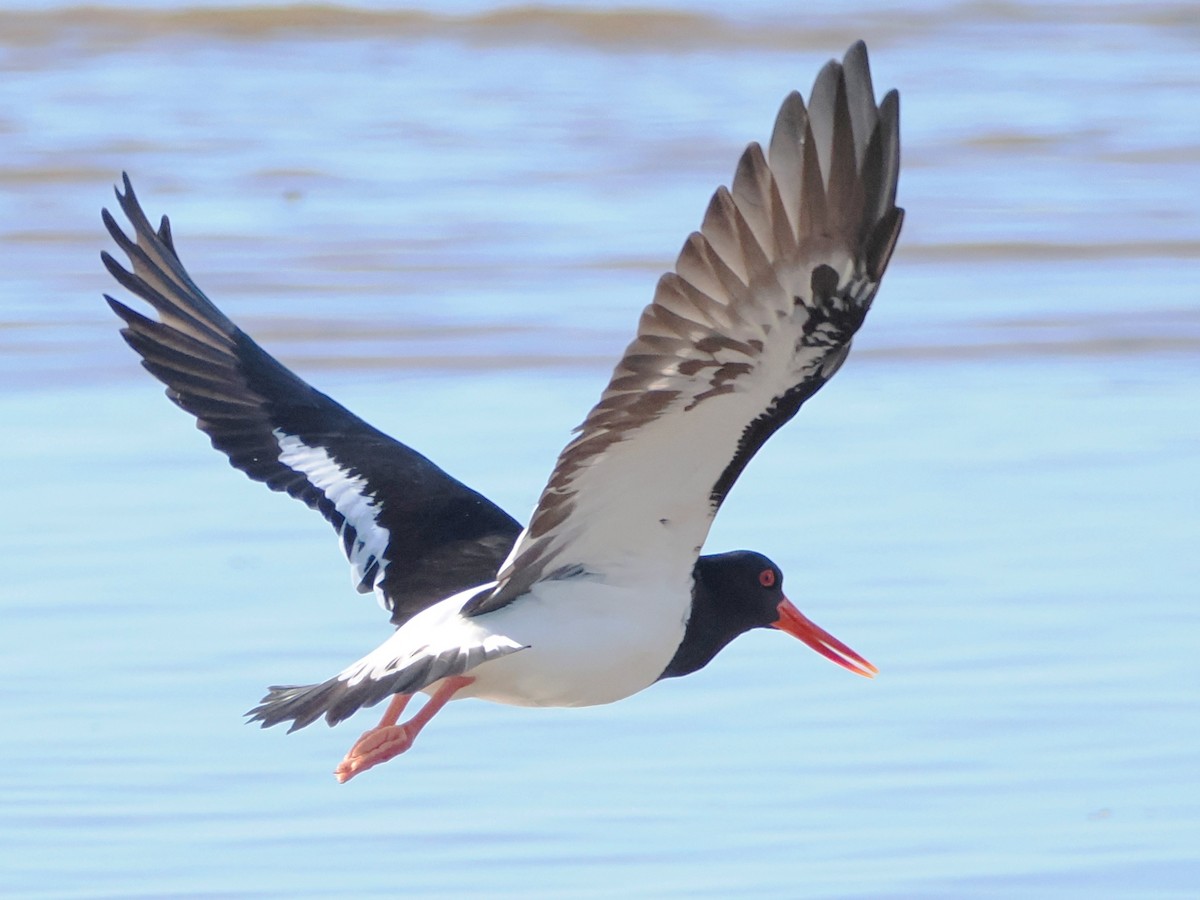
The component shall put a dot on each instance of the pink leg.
(392, 715)
(387, 739)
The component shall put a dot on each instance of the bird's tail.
(374, 677)
(301, 704)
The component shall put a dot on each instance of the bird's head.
(735, 592)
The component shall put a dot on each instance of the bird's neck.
(706, 633)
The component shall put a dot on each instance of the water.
(450, 221)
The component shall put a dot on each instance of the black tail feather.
(303, 704)
(361, 686)
(335, 699)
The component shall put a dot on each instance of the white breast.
(590, 641)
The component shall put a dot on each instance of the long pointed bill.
(793, 622)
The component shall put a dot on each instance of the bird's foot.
(374, 747)
(387, 739)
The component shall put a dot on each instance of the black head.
(735, 592)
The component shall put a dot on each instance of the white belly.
(588, 642)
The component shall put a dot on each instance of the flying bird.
(604, 592)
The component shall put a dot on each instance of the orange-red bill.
(793, 622)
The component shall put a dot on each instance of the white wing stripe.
(351, 497)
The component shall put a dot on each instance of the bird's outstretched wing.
(756, 317)
(413, 534)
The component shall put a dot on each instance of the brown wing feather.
(756, 317)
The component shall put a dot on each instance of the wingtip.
(856, 55)
(164, 234)
(110, 224)
(129, 202)
(114, 268)
(831, 70)
(117, 306)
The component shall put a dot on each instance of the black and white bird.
(604, 592)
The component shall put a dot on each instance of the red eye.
(767, 578)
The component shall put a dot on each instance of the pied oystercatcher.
(604, 592)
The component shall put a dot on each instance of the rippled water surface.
(449, 216)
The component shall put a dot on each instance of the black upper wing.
(413, 534)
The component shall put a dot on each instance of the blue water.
(450, 224)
